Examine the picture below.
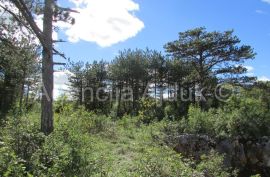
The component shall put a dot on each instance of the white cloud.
(250, 71)
(104, 22)
(261, 12)
(249, 68)
(264, 78)
(60, 83)
(267, 1)
(250, 74)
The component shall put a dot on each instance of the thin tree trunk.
(112, 95)
(27, 95)
(22, 92)
(155, 84)
(119, 100)
(22, 89)
(47, 71)
(168, 82)
(8, 95)
(155, 90)
(81, 92)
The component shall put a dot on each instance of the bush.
(75, 147)
(170, 112)
(86, 144)
(212, 165)
(10, 163)
(148, 111)
(157, 162)
(200, 122)
(22, 136)
(247, 117)
(241, 116)
(63, 105)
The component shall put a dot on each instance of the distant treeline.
(190, 72)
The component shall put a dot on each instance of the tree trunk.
(22, 90)
(80, 92)
(119, 100)
(8, 94)
(155, 90)
(27, 95)
(47, 71)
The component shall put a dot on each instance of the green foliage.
(247, 117)
(21, 138)
(200, 122)
(197, 60)
(256, 175)
(86, 144)
(76, 81)
(18, 62)
(148, 110)
(170, 112)
(162, 163)
(10, 164)
(243, 116)
(63, 105)
(212, 165)
(222, 48)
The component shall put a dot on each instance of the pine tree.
(212, 55)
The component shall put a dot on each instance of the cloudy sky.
(103, 27)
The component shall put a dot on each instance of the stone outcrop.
(250, 156)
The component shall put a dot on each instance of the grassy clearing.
(85, 144)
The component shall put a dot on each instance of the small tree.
(76, 79)
(18, 62)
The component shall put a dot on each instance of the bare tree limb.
(30, 20)
(56, 52)
(16, 17)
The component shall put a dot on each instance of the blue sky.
(156, 22)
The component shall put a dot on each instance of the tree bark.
(47, 70)
(22, 91)
(27, 95)
(8, 94)
(119, 100)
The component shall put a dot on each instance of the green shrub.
(21, 135)
(170, 112)
(156, 162)
(212, 165)
(63, 105)
(200, 122)
(256, 175)
(247, 117)
(10, 163)
(86, 144)
(241, 116)
(72, 149)
(148, 110)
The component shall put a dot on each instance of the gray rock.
(266, 154)
(245, 154)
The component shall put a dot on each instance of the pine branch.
(21, 6)
(16, 17)
(30, 20)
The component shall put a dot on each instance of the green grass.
(85, 144)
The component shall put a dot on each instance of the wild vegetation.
(190, 111)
